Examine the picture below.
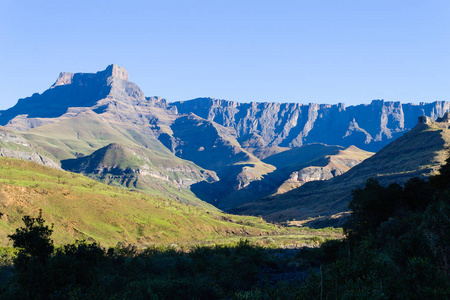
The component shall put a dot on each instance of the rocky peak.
(111, 71)
(64, 78)
(76, 90)
(116, 71)
(377, 102)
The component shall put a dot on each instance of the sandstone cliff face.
(368, 127)
(312, 174)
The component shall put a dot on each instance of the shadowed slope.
(295, 167)
(419, 152)
(214, 147)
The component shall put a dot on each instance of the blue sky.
(284, 51)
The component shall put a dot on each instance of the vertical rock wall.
(367, 126)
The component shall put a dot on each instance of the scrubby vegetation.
(396, 246)
(37, 269)
(86, 271)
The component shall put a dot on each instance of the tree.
(33, 241)
(371, 206)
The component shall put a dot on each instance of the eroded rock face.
(66, 78)
(311, 174)
(367, 126)
(15, 146)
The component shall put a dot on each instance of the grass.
(83, 134)
(82, 208)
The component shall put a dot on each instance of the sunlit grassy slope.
(82, 208)
(83, 134)
(122, 166)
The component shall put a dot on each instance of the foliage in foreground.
(397, 245)
(86, 271)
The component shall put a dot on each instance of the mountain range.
(266, 159)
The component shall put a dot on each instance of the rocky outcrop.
(66, 78)
(15, 146)
(311, 174)
(367, 126)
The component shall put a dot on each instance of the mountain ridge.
(366, 126)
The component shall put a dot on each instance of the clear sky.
(284, 51)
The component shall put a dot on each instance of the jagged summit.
(66, 78)
(116, 71)
(424, 120)
(74, 90)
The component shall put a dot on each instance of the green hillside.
(123, 166)
(80, 136)
(82, 208)
(70, 137)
